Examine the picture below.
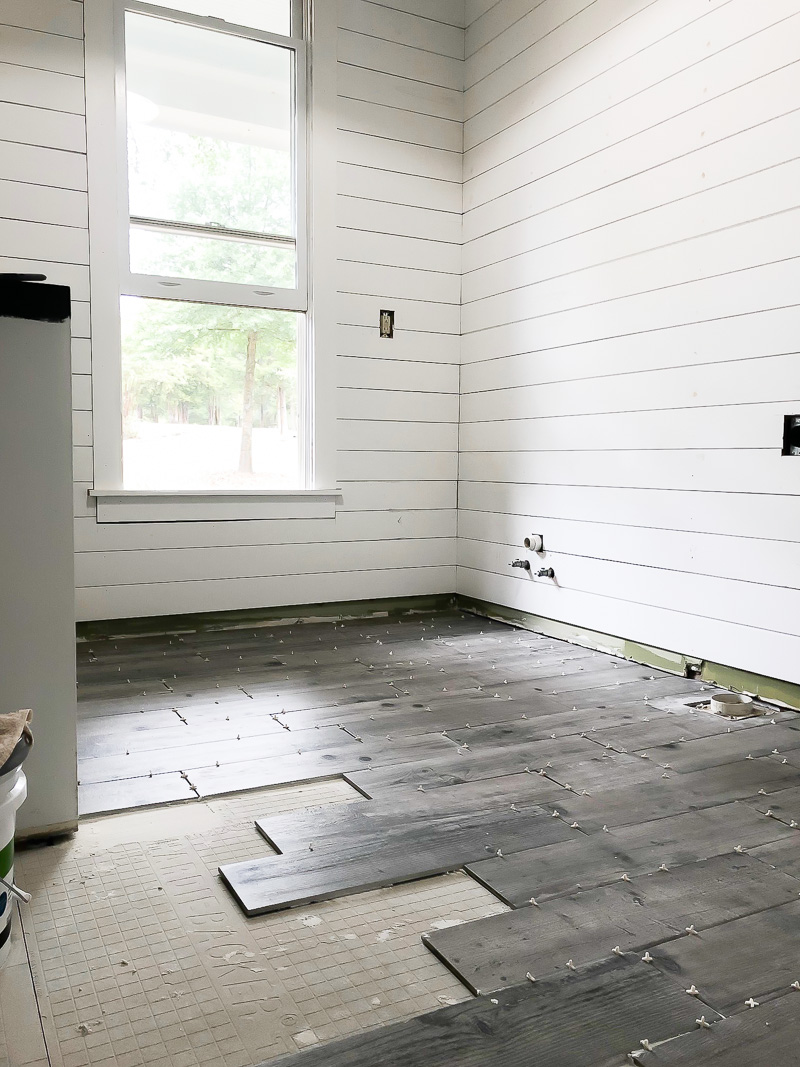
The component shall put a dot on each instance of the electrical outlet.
(386, 324)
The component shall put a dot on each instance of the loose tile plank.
(584, 927)
(640, 848)
(399, 851)
(768, 1034)
(752, 957)
(591, 1019)
(375, 821)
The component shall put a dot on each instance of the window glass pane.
(209, 396)
(210, 121)
(271, 15)
(181, 255)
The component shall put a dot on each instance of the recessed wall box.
(791, 435)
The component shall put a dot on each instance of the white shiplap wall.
(627, 293)
(631, 319)
(398, 245)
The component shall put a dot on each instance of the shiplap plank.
(38, 126)
(404, 221)
(712, 512)
(360, 83)
(375, 494)
(370, 182)
(91, 536)
(44, 51)
(41, 88)
(379, 120)
(385, 23)
(357, 372)
(81, 392)
(64, 17)
(82, 463)
(404, 252)
(42, 166)
(236, 594)
(365, 435)
(242, 562)
(82, 432)
(451, 12)
(61, 244)
(397, 466)
(58, 207)
(367, 150)
(397, 406)
(372, 279)
(406, 61)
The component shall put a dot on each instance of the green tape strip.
(728, 677)
(6, 858)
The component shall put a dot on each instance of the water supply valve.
(523, 564)
(546, 572)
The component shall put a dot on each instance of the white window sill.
(121, 505)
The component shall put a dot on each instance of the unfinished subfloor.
(493, 847)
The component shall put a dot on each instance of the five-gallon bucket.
(13, 790)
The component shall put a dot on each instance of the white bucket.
(13, 790)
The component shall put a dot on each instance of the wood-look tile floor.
(647, 849)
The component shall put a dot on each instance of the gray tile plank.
(97, 798)
(591, 1019)
(783, 854)
(492, 953)
(755, 956)
(768, 1034)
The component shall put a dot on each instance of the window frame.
(196, 290)
(109, 222)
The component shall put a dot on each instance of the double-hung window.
(208, 249)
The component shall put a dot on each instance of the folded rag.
(12, 726)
